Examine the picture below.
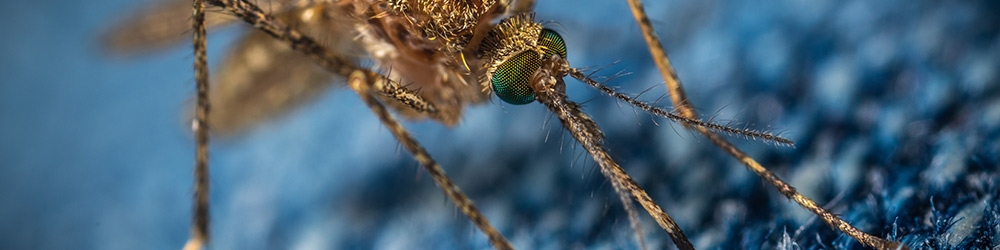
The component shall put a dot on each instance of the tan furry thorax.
(453, 21)
(442, 46)
(427, 45)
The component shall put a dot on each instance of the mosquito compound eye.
(552, 43)
(512, 77)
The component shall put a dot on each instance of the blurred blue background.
(894, 106)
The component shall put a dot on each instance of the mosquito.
(434, 58)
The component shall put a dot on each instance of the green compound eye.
(552, 43)
(511, 79)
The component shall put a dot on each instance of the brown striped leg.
(199, 224)
(685, 108)
(361, 82)
(550, 90)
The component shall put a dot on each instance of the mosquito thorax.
(513, 51)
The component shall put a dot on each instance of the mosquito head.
(514, 51)
(512, 78)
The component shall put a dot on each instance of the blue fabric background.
(894, 106)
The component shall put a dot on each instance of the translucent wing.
(164, 24)
(263, 77)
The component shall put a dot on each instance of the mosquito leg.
(361, 81)
(403, 95)
(199, 227)
(685, 108)
(550, 90)
(677, 94)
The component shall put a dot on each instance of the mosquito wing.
(261, 77)
(158, 26)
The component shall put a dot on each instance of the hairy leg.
(551, 91)
(684, 107)
(361, 82)
(199, 224)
